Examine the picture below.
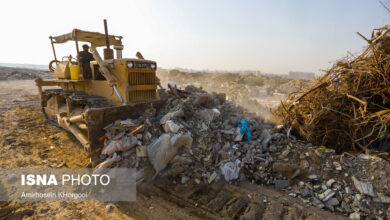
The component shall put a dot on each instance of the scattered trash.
(231, 170)
(216, 112)
(313, 177)
(382, 198)
(331, 203)
(212, 177)
(364, 187)
(171, 127)
(123, 144)
(208, 114)
(327, 195)
(337, 165)
(244, 128)
(210, 146)
(323, 148)
(115, 157)
(135, 129)
(128, 123)
(286, 169)
(330, 182)
(265, 137)
(162, 150)
(172, 115)
(281, 184)
(354, 216)
(141, 151)
(184, 179)
(292, 194)
(239, 135)
(201, 99)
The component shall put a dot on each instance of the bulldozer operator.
(85, 57)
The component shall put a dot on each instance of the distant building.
(300, 75)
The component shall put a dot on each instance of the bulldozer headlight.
(153, 66)
(130, 65)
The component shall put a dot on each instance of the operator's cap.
(85, 45)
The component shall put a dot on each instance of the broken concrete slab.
(281, 184)
(364, 187)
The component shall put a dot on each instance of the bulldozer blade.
(97, 119)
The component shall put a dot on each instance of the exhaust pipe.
(108, 52)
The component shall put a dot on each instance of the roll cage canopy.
(95, 38)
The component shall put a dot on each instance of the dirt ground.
(27, 140)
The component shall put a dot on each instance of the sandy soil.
(27, 140)
(10, 73)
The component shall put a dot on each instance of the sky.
(271, 36)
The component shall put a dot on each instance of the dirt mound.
(9, 73)
(348, 107)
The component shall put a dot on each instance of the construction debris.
(141, 151)
(123, 144)
(254, 92)
(364, 188)
(171, 127)
(204, 150)
(107, 163)
(231, 170)
(161, 151)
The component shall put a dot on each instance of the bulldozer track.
(52, 122)
(43, 104)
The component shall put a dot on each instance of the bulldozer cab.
(117, 88)
(69, 67)
(132, 80)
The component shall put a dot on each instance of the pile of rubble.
(199, 138)
(256, 93)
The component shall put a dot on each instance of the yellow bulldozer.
(88, 98)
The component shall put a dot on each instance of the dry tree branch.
(367, 49)
(358, 100)
(384, 6)
(306, 93)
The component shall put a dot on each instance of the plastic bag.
(171, 127)
(231, 170)
(105, 164)
(244, 128)
(124, 144)
(162, 150)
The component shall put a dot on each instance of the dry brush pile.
(348, 108)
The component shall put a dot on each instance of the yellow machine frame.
(118, 88)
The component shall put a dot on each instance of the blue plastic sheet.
(244, 128)
(159, 117)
